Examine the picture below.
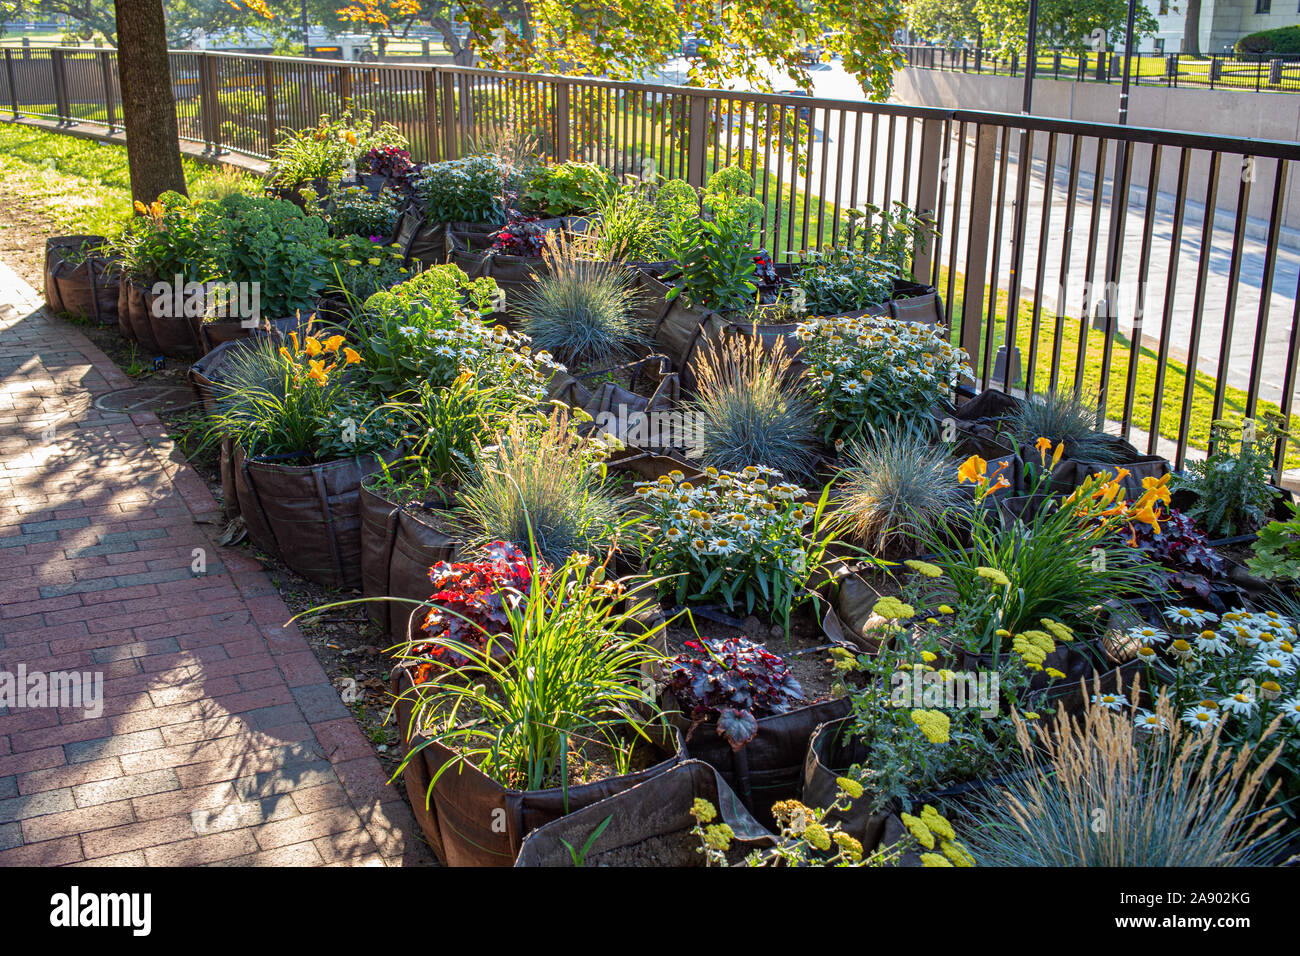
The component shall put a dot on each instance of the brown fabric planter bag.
(397, 550)
(308, 516)
(471, 819)
(657, 808)
(141, 328)
(769, 767)
(177, 335)
(89, 289)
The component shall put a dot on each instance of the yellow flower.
(894, 609)
(816, 835)
(937, 824)
(929, 656)
(852, 846)
(718, 836)
(957, 853)
(333, 343)
(924, 568)
(934, 859)
(1058, 630)
(945, 609)
(972, 470)
(313, 346)
(994, 575)
(350, 357)
(849, 786)
(933, 723)
(918, 829)
(316, 371)
(703, 811)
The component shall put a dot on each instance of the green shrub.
(566, 189)
(842, 280)
(715, 249)
(354, 212)
(1232, 486)
(1281, 40)
(463, 190)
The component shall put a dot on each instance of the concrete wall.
(1219, 112)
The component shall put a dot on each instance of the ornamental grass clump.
(1106, 790)
(1062, 416)
(572, 680)
(585, 312)
(895, 484)
(875, 372)
(750, 410)
(746, 539)
(541, 482)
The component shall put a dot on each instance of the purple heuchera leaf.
(737, 726)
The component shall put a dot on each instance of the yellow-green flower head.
(1057, 629)
(816, 835)
(702, 810)
(892, 608)
(850, 845)
(850, 787)
(918, 829)
(718, 836)
(934, 859)
(933, 723)
(994, 575)
(945, 609)
(925, 568)
(937, 824)
(957, 853)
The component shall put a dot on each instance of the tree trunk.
(148, 104)
(1192, 28)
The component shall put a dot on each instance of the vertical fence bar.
(977, 244)
(927, 196)
(1266, 285)
(110, 104)
(13, 86)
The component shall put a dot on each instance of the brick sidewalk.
(221, 739)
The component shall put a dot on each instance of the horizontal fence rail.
(1231, 71)
(1142, 266)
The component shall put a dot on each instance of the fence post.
(9, 75)
(697, 130)
(1102, 73)
(110, 106)
(345, 86)
(449, 140)
(429, 81)
(927, 198)
(977, 245)
(268, 89)
(562, 143)
(61, 105)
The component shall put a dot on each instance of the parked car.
(805, 113)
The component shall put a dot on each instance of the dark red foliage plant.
(469, 602)
(733, 681)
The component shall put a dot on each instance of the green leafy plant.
(353, 211)
(895, 483)
(363, 267)
(565, 189)
(168, 238)
(463, 190)
(887, 236)
(572, 679)
(874, 372)
(1277, 549)
(750, 410)
(540, 481)
(1231, 486)
(325, 150)
(635, 223)
(745, 539)
(842, 280)
(583, 311)
(715, 249)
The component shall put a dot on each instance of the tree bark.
(1192, 28)
(153, 151)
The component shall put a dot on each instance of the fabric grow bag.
(139, 328)
(176, 334)
(472, 820)
(425, 242)
(828, 756)
(88, 289)
(769, 767)
(308, 516)
(397, 550)
(660, 807)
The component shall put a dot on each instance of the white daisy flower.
(1148, 635)
(1274, 665)
(1242, 703)
(1109, 701)
(1190, 615)
(1200, 717)
(1149, 721)
(1212, 642)
(1292, 709)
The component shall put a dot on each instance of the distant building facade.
(1223, 22)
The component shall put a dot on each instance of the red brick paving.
(221, 741)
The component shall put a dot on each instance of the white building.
(1223, 22)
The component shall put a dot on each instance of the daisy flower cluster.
(729, 534)
(1241, 667)
(871, 370)
(490, 353)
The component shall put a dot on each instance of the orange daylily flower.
(313, 346)
(317, 372)
(350, 357)
(333, 343)
(972, 470)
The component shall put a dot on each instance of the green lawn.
(1202, 404)
(81, 184)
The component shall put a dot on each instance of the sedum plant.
(565, 188)
(749, 409)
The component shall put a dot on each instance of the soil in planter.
(669, 849)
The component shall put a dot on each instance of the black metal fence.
(1224, 71)
(1142, 265)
